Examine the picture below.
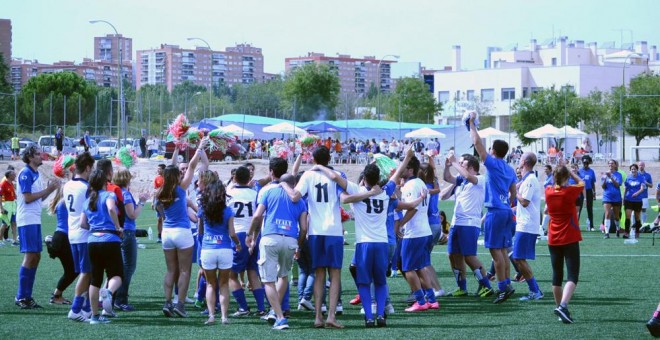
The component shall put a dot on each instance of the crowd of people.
(259, 227)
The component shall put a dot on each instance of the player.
(611, 182)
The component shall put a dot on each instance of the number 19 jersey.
(75, 194)
(371, 213)
(243, 201)
(322, 203)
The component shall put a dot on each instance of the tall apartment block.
(171, 65)
(355, 74)
(5, 40)
(107, 48)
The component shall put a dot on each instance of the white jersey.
(75, 194)
(370, 214)
(469, 203)
(243, 200)
(28, 182)
(322, 203)
(418, 225)
(528, 218)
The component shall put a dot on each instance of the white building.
(517, 73)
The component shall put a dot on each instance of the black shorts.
(613, 204)
(634, 206)
(105, 257)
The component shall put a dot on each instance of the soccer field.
(619, 288)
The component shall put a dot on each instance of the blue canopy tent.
(323, 127)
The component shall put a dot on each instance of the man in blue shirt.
(500, 192)
(284, 231)
(589, 177)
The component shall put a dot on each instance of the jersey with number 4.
(243, 201)
(322, 203)
(371, 213)
(75, 194)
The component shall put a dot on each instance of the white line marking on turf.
(581, 255)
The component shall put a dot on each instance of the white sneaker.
(439, 293)
(106, 296)
(80, 317)
(110, 314)
(189, 300)
(87, 315)
(306, 304)
(175, 299)
(389, 309)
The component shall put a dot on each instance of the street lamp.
(622, 156)
(379, 80)
(211, 73)
(121, 115)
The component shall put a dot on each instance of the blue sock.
(86, 307)
(381, 299)
(285, 300)
(462, 284)
(239, 296)
(365, 296)
(419, 297)
(259, 297)
(533, 286)
(508, 281)
(22, 283)
(76, 306)
(486, 283)
(430, 295)
(176, 289)
(457, 276)
(32, 274)
(387, 292)
(501, 285)
(482, 280)
(201, 289)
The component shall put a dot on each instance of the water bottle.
(632, 238)
(150, 233)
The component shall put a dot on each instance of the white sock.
(608, 223)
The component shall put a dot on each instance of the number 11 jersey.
(322, 203)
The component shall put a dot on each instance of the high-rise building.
(5, 40)
(171, 65)
(107, 48)
(355, 74)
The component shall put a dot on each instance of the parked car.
(134, 145)
(99, 138)
(24, 144)
(233, 153)
(5, 150)
(47, 145)
(107, 148)
(93, 148)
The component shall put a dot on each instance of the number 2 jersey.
(243, 201)
(322, 203)
(371, 213)
(75, 194)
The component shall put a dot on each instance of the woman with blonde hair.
(122, 179)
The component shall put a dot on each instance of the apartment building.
(101, 73)
(171, 65)
(107, 48)
(5, 40)
(355, 74)
(517, 72)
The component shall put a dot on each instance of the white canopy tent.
(425, 133)
(570, 132)
(545, 131)
(285, 128)
(237, 130)
(492, 132)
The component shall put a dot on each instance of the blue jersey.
(101, 226)
(633, 185)
(589, 178)
(62, 214)
(216, 235)
(389, 223)
(611, 193)
(433, 212)
(176, 214)
(499, 179)
(281, 213)
(549, 181)
(649, 184)
(129, 223)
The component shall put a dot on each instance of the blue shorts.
(524, 246)
(30, 238)
(371, 262)
(327, 251)
(463, 240)
(415, 254)
(81, 262)
(499, 228)
(243, 260)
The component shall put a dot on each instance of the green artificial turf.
(617, 292)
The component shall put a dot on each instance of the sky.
(417, 30)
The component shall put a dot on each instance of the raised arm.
(175, 156)
(446, 174)
(187, 178)
(404, 164)
(296, 164)
(461, 170)
(476, 140)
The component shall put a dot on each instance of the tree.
(182, 95)
(6, 102)
(595, 116)
(416, 103)
(57, 86)
(547, 106)
(641, 109)
(314, 89)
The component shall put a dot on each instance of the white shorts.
(276, 256)
(645, 203)
(177, 238)
(217, 258)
